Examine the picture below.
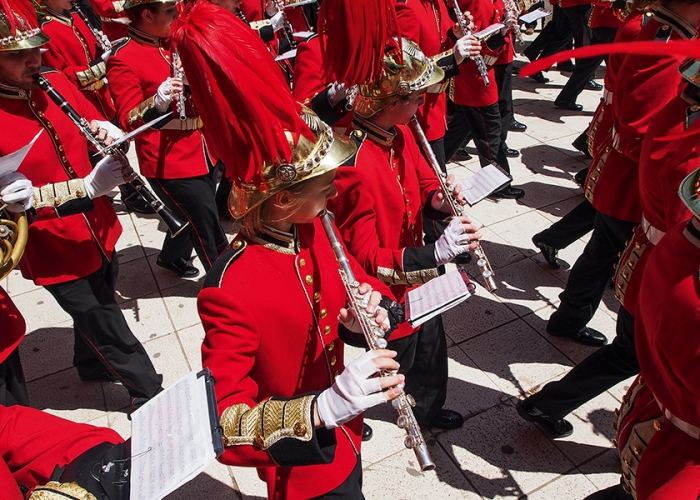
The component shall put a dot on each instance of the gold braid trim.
(398, 277)
(138, 112)
(92, 74)
(54, 194)
(60, 491)
(268, 422)
(118, 6)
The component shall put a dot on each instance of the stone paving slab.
(499, 350)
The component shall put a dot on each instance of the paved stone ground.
(498, 348)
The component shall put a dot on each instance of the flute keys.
(410, 400)
(402, 422)
(409, 442)
(381, 343)
(481, 262)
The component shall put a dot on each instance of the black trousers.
(590, 275)
(423, 360)
(574, 225)
(554, 37)
(616, 492)
(596, 374)
(586, 68)
(484, 124)
(192, 199)
(350, 489)
(13, 388)
(103, 339)
(504, 82)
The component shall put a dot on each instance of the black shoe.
(581, 176)
(516, 126)
(555, 427)
(461, 155)
(180, 267)
(539, 77)
(566, 67)
(548, 252)
(593, 85)
(98, 376)
(581, 144)
(585, 336)
(515, 71)
(509, 192)
(462, 259)
(367, 432)
(447, 420)
(510, 153)
(571, 106)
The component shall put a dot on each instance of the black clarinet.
(105, 45)
(241, 16)
(175, 226)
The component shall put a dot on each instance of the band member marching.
(270, 305)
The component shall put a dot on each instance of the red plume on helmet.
(355, 35)
(238, 90)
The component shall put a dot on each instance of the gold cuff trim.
(398, 277)
(256, 25)
(54, 490)
(189, 123)
(92, 74)
(53, 195)
(268, 422)
(137, 113)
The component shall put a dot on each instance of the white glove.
(16, 192)
(165, 95)
(351, 322)
(352, 393)
(277, 21)
(463, 48)
(271, 8)
(336, 93)
(106, 175)
(112, 130)
(453, 242)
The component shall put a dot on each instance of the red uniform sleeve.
(79, 102)
(309, 77)
(675, 210)
(53, 58)
(126, 90)
(410, 26)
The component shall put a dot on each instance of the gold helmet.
(690, 71)
(397, 80)
(689, 191)
(18, 27)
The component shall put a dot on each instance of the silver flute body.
(479, 60)
(105, 45)
(374, 336)
(181, 98)
(457, 210)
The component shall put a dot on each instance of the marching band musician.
(73, 50)
(171, 157)
(288, 405)
(383, 192)
(112, 17)
(72, 256)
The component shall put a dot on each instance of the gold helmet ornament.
(18, 26)
(265, 138)
(689, 191)
(398, 79)
(690, 71)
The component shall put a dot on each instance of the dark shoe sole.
(583, 338)
(569, 429)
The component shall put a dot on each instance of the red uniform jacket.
(135, 72)
(659, 179)
(468, 88)
(649, 82)
(111, 14)
(668, 349)
(254, 10)
(59, 249)
(13, 326)
(603, 16)
(71, 49)
(427, 23)
(33, 443)
(270, 311)
(381, 195)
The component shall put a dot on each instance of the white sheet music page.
(436, 296)
(10, 163)
(170, 439)
(533, 16)
(487, 180)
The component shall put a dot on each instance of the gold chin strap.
(13, 239)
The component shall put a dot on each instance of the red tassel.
(239, 91)
(355, 35)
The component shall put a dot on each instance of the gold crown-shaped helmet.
(690, 71)
(133, 3)
(689, 191)
(309, 159)
(417, 72)
(25, 37)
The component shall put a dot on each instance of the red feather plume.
(355, 34)
(238, 89)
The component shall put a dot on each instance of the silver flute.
(457, 210)
(513, 9)
(374, 336)
(479, 60)
(181, 98)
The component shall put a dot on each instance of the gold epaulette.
(137, 113)
(268, 422)
(54, 194)
(398, 277)
(92, 74)
(256, 25)
(54, 490)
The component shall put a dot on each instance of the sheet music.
(171, 440)
(533, 16)
(487, 180)
(10, 163)
(488, 31)
(298, 4)
(287, 55)
(436, 296)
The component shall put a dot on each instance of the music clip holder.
(217, 432)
